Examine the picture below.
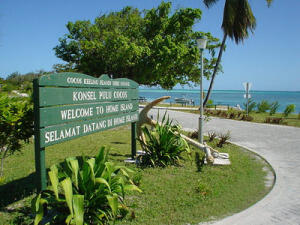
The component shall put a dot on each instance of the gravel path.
(280, 146)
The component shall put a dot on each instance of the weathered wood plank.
(63, 114)
(60, 133)
(51, 96)
(81, 80)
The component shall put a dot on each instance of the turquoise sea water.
(228, 97)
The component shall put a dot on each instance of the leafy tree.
(263, 106)
(238, 19)
(289, 109)
(16, 125)
(251, 105)
(274, 107)
(153, 47)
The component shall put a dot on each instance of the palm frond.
(238, 19)
(269, 2)
(209, 3)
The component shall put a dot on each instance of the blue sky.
(270, 58)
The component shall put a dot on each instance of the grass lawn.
(190, 193)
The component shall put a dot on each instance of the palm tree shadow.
(199, 161)
(17, 190)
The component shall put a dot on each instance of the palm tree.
(238, 20)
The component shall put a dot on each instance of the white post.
(200, 132)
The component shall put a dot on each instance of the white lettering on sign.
(100, 110)
(84, 95)
(125, 107)
(112, 108)
(74, 80)
(120, 94)
(119, 120)
(65, 133)
(105, 82)
(105, 95)
(130, 118)
(125, 83)
(90, 81)
(116, 83)
(76, 113)
(91, 127)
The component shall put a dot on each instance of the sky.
(269, 58)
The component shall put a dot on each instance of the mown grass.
(190, 193)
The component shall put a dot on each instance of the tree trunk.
(215, 70)
(2, 160)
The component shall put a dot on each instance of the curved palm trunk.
(215, 70)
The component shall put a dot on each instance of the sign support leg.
(133, 140)
(40, 168)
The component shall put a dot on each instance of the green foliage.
(289, 109)
(16, 125)
(251, 105)
(163, 145)
(299, 116)
(153, 47)
(210, 103)
(223, 138)
(274, 107)
(263, 106)
(85, 191)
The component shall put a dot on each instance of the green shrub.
(274, 107)
(163, 145)
(210, 103)
(223, 138)
(85, 191)
(289, 109)
(211, 135)
(16, 125)
(263, 106)
(251, 105)
(299, 116)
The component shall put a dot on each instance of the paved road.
(280, 146)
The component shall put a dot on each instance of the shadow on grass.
(199, 161)
(17, 190)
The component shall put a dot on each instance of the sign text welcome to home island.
(71, 105)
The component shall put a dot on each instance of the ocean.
(227, 97)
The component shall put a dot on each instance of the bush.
(16, 125)
(289, 109)
(274, 107)
(251, 105)
(85, 191)
(274, 120)
(163, 145)
(194, 134)
(223, 138)
(210, 103)
(299, 116)
(247, 118)
(212, 135)
(263, 106)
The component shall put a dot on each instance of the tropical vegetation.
(238, 20)
(16, 125)
(153, 47)
(85, 191)
(163, 145)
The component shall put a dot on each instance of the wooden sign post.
(71, 105)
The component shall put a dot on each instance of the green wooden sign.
(60, 133)
(50, 96)
(81, 80)
(72, 105)
(63, 114)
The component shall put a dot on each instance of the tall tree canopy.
(153, 47)
(238, 20)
